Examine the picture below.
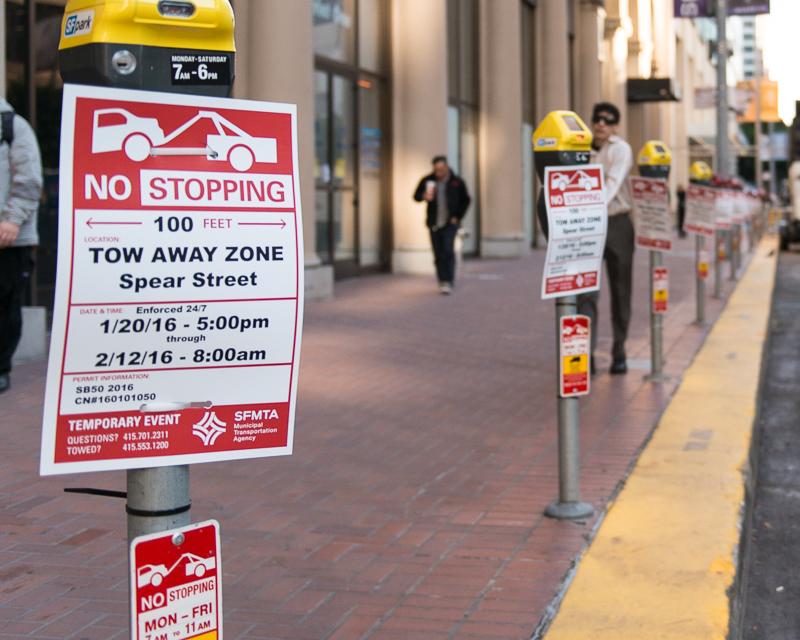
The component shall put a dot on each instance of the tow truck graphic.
(578, 180)
(120, 130)
(154, 574)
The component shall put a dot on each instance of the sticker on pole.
(651, 213)
(700, 210)
(176, 584)
(577, 218)
(179, 297)
(574, 348)
(660, 289)
(703, 260)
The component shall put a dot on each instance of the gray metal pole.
(719, 238)
(656, 327)
(722, 89)
(729, 251)
(700, 288)
(158, 499)
(569, 505)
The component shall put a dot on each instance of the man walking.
(20, 190)
(611, 151)
(447, 198)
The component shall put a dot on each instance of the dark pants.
(442, 241)
(15, 269)
(618, 256)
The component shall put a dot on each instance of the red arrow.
(90, 223)
(280, 224)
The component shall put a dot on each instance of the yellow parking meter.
(700, 172)
(182, 46)
(560, 140)
(654, 160)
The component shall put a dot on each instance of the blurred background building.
(384, 85)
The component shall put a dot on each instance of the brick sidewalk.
(425, 454)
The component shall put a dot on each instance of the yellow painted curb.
(665, 556)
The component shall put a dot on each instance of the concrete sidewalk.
(425, 454)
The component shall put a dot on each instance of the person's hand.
(453, 220)
(8, 233)
(429, 195)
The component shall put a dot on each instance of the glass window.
(468, 54)
(343, 138)
(334, 32)
(452, 49)
(371, 174)
(372, 35)
(321, 219)
(528, 63)
(322, 169)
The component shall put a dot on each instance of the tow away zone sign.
(176, 586)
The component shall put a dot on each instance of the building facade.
(382, 86)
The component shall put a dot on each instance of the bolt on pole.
(656, 327)
(700, 283)
(569, 505)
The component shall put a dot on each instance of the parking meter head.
(700, 172)
(561, 139)
(655, 160)
(181, 46)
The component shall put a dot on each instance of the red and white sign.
(660, 289)
(700, 210)
(724, 208)
(702, 264)
(651, 213)
(179, 298)
(574, 349)
(577, 217)
(176, 584)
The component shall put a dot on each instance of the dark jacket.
(457, 198)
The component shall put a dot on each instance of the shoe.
(5, 382)
(445, 288)
(619, 366)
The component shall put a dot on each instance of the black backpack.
(7, 124)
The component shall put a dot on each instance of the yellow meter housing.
(700, 172)
(655, 160)
(182, 46)
(561, 139)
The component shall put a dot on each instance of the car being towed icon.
(119, 130)
(154, 574)
(579, 180)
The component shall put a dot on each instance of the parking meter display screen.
(572, 123)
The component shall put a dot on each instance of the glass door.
(335, 172)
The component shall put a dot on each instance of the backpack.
(7, 133)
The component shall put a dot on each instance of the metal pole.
(569, 505)
(656, 327)
(729, 251)
(718, 240)
(722, 89)
(158, 499)
(773, 179)
(700, 288)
